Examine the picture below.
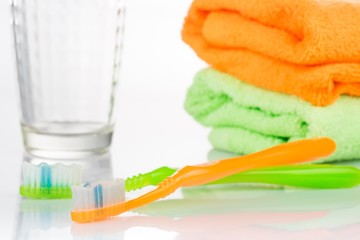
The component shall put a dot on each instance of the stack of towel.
(281, 70)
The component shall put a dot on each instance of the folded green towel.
(247, 119)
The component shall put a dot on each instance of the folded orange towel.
(308, 48)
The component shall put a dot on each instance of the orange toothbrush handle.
(285, 154)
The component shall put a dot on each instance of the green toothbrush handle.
(304, 176)
(152, 178)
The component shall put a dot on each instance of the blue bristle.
(101, 195)
(87, 184)
(98, 196)
(45, 175)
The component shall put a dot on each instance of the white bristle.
(98, 195)
(31, 175)
(61, 175)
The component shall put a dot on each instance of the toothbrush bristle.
(98, 195)
(49, 181)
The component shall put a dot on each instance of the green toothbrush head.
(49, 181)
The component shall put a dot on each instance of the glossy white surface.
(153, 130)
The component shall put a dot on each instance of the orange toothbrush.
(100, 201)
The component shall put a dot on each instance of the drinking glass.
(68, 58)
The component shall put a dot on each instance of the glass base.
(94, 168)
(64, 146)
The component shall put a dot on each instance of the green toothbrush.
(54, 182)
(304, 176)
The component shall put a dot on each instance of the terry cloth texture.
(307, 48)
(245, 119)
